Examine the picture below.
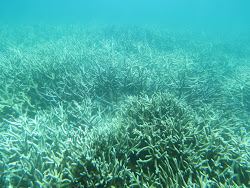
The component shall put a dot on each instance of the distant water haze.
(227, 15)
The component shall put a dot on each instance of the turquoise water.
(225, 15)
(124, 94)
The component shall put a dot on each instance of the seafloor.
(123, 107)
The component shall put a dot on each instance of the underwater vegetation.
(122, 107)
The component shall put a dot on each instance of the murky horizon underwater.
(115, 94)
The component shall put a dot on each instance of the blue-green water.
(124, 94)
(230, 15)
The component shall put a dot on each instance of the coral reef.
(122, 107)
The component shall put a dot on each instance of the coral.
(122, 107)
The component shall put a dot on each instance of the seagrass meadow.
(116, 106)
